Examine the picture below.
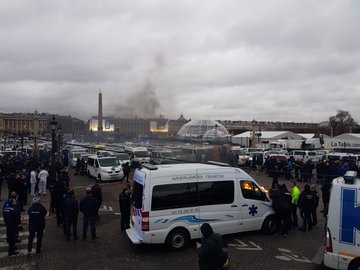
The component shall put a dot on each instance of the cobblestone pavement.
(113, 250)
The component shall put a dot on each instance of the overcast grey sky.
(284, 60)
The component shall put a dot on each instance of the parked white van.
(343, 224)
(73, 157)
(305, 155)
(138, 155)
(104, 168)
(170, 202)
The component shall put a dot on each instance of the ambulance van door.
(254, 205)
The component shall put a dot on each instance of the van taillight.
(329, 247)
(145, 221)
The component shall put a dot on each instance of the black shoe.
(13, 253)
(76, 238)
(302, 230)
(94, 238)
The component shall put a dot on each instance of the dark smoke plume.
(144, 103)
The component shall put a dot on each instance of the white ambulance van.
(170, 202)
(138, 155)
(343, 224)
(104, 168)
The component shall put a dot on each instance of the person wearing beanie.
(208, 250)
(37, 213)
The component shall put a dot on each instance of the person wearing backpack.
(212, 252)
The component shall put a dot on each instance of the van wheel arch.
(354, 264)
(178, 239)
(269, 225)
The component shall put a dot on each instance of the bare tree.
(341, 122)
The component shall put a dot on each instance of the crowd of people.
(35, 177)
(312, 174)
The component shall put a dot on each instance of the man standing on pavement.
(71, 211)
(96, 192)
(89, 207)
(295, 194)
(125, 204)
(307, 205)
(11, 216)
(126, 170)
(59, 190)
(37, 213)
(314, 211)
(43, 175)
(33, 181)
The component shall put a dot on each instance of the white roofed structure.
(244, 138)
(348, 136)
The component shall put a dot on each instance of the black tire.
(269, 225)
(88, 172)
(98, 180)
(354, 265)
(178, 239)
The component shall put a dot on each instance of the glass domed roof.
(203, 130)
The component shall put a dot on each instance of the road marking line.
(3, 236)
(23, 242)
(22, 252)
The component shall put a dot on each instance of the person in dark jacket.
(11, 216)
(59, 190)
(208, 249)
(314, 211)
(37, 213)
(71, 211)
(96, 192)
(275, 174)
(125, 204)
(126, 170)
(77, 166)
(89, 207)
(306, 205)
(281, 205)
(326, 186)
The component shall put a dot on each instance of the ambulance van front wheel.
(178, 239)
(269, 225)
(354, 265)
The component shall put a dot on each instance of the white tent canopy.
(266, 136)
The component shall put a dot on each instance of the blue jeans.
(91, 221)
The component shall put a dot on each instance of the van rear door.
(135, 232)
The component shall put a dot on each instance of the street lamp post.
(53, 127)
(60, 139)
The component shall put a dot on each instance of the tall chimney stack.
(100, 116)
